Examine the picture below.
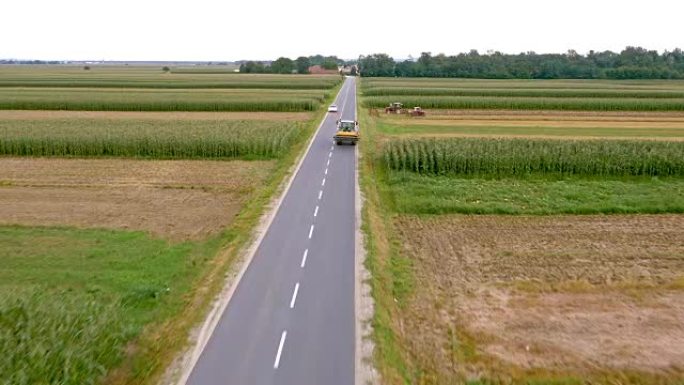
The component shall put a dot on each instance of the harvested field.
(177, 200)
(557, 115)
(591, 297)
(551, 124)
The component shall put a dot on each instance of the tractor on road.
(347, 132)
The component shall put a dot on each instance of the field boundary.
(190, 358)
(365, 373)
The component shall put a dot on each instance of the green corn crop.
(509, 157)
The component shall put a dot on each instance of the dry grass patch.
(514, 297)
(177, 200)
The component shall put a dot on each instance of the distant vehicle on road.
(347, 132)
(332, 108)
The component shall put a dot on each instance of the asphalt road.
(291, 318)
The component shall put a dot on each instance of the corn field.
(512, 157)
(525, 92)
(149, 139)
(102, 99)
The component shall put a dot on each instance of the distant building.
(347, 69)
(318, 70)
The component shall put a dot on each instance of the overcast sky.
(267, 29)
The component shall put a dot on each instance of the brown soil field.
(133, 115)
(569, 295)
(571, 123)
(177, 200)
(556, 115)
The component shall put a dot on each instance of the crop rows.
(514, 157)
(154, 77)
(524, 92)
(149, 139)
(614, 85)
(220, 83)
(527, 103)
(160, 100)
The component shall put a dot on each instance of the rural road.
(291, 318)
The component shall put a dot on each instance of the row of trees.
(14, 61)
(284, 65)
(631, 63)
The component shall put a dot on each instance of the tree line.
(630, 63)
(284, 65)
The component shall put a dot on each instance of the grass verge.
(71, 299)
(416, 194)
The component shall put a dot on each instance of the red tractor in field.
(394, 108)
(417, 111)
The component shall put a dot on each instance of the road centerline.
(306, 254)
(294, 296)
(280, 349)
(311, 231)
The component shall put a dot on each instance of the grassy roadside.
(391, 278)
(160, 342)
(71, 298)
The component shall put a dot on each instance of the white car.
(332, 108)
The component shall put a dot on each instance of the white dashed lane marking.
(294, 296)
(306, 254)
(280, 349)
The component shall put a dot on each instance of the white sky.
(267, 29)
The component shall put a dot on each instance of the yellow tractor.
(347, 132)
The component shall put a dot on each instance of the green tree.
(252, 67)
(302, 63)
(329, 64)
(282, 65)
(378, 64)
